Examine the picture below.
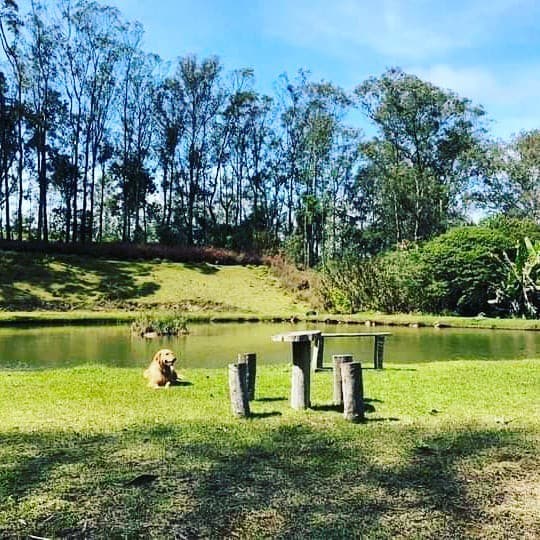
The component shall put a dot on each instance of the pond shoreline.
(33, 318)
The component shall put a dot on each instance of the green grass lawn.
(30, 281)
(448, 451)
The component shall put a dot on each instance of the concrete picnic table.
(306, 358)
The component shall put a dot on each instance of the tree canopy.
(102, 140)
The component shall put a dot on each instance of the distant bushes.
(462, 269)
(171, 324)
(127, 251)
(384, 283)
(458, 272)
(304, 284)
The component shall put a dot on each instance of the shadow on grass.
(388, 369)
(389, 419)
(181, 383)
(259, 415)
(203, 268)
(270, 399)
(330, 407)
(301, 483)
(234, 480)
(33, 281)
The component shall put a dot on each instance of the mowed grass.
(33, 281)
(448, 451)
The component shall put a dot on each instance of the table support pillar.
(301, 375)
(317, 353)
(378, 352)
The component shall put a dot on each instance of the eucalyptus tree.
(339, 199)
(226, 184)
(104, 155)
(90, 49)
(247, 184)
(312, 120)
(265, 185)
(134, 142)
(169, 117)
(422, 155)
(231, 144)
(202, 101)
(11, 43)
(8, 149)
(44, 101)
(511, 177)
(292, 120)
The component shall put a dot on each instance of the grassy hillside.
(36, 287)
(449, 450)
(30, 281)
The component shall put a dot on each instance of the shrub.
(514, 228)
(457, 272)
(462, 269)
(386, 282)
(303, 284)
(171, 324)
(519, 293)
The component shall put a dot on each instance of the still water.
(216, 345)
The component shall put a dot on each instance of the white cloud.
(510, 86)
(402, 30)
(509, 94)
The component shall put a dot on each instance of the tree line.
(101, 140)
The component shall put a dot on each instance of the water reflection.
(215, 345)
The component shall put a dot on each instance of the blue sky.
(488, 51)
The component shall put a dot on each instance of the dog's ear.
(158, 358)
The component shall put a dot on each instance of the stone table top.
(295, 337)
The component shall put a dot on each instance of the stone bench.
(317, 352)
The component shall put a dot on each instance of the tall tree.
(8, 148)
(91, 50)
(169, 115)
(421, 156)
(312, 123)
(10, 41)
(136, 95)
(45, 101)
(202, 102)
(512, 177)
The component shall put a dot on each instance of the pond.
(216, 345)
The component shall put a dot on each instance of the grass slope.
(41, 288)
(449, 451)
(70, 282)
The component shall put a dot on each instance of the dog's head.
(165, 358)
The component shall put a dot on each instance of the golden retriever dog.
(161, 370)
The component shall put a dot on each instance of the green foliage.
(462, 269)
(519, 293)
(171, 324)
(512, 175)
(384, 283)
(513, 227)
(419, 164)
(457, 272)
